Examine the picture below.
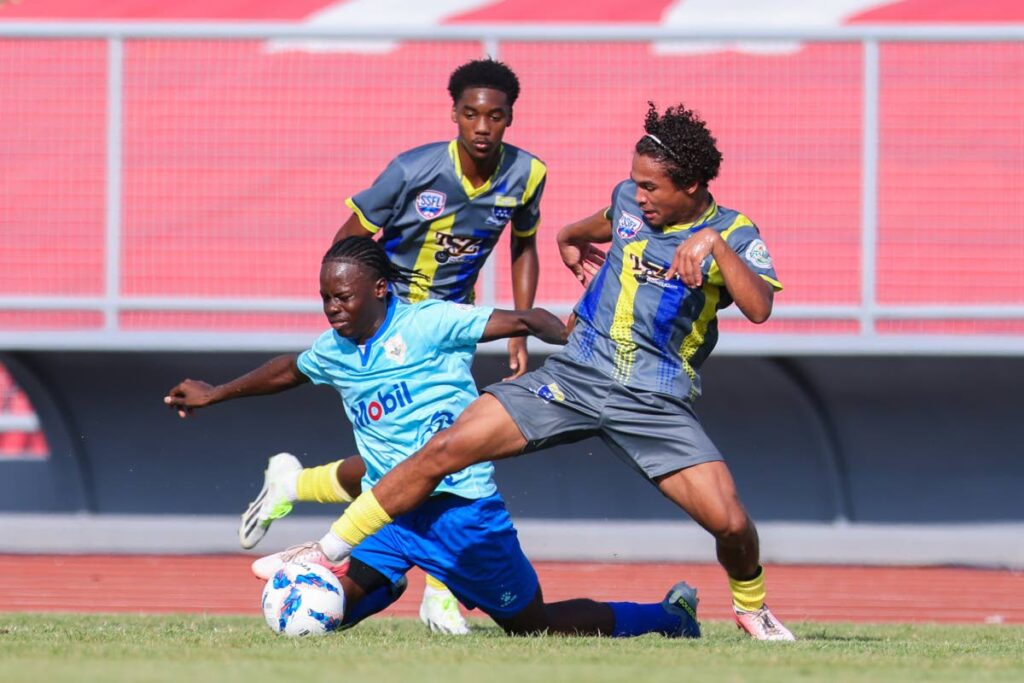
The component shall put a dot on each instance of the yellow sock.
(435, 584)
(364, 517)
(748, 595)
(321, 485)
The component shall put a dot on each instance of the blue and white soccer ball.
(303, 600)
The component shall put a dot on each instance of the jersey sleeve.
(313, 363)
(746, 241)
(526, 218)
(455, 326)
(378, 204)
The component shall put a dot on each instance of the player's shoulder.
(415, 159)
(624, 194)
(732, 222)
(518, 155)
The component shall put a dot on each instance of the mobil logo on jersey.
(386, 402)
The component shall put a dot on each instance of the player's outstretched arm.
(534, 322)
(275, 375)
(575, 244)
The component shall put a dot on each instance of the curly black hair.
(484, 73)
(368, 253)
(681, 141)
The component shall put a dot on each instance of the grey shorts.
(562, 402)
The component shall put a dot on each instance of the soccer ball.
(303, 600)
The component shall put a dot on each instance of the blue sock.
(371, 603)
(634, 619)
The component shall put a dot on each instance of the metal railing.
(867, 312)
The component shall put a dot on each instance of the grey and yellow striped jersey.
(647, 332)
(435, 222)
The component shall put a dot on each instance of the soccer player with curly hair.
(631, 370)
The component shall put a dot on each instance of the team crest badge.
(629, 225)
(551, 392)
(757, 255)
(503, 209)
(394, 349)
(430, 203)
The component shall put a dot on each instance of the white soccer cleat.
(309, 553)
(761, 624)
(440, 612)
(272, 503)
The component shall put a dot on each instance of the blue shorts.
(469, 545)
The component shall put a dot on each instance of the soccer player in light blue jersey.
(631, 369)
(403, 372)
(439, 210)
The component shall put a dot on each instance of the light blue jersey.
(408, 382)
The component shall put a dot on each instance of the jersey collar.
(473, 192)
(700, 222)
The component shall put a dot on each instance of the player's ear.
(692, 188)
(509, 118)
(380, 289)
(455, 114)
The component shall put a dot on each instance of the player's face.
(482, 115)
(661, 201)
(355, 303)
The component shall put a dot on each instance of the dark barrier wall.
(808, 439)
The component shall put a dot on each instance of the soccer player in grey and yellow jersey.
(439, 211)
(629, 373)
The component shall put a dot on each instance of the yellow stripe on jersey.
(703, 218)
(537, 172)
(426, 261)
(472, 192)
(621, 331)
(695, 339)
(363, 220)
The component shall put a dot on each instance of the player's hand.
(686, 264)
(517, 357)
(188, 396)
(584, 260)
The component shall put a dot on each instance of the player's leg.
(285, 482)
(474, 546)
(675, 616)
(484, 431)
(662, 438)
(367, 592)
(708, 494)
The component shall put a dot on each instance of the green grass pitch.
(38, 648)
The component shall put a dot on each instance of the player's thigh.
(655, 434)
(708, 494)
(484, 431)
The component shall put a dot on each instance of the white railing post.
(115, 112)
(869, 191)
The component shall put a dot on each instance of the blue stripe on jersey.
(664, 322)
(391, 246)
(587, 311)
(461, 289)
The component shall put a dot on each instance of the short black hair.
(681, 141)
(484, 73)
(368, 253)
